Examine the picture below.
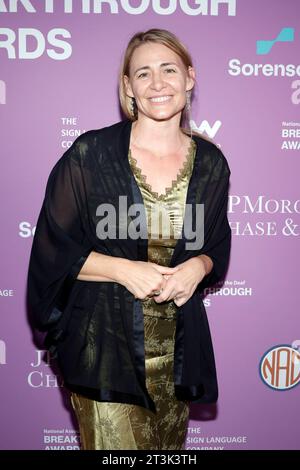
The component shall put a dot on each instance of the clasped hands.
(177, 284)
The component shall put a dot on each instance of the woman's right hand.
(143, 278)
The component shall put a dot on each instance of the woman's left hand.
(181, 285)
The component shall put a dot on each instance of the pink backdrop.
(58, 77)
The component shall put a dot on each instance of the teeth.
(160, 98)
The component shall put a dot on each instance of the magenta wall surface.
(59, 78)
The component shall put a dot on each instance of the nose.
(157, 82)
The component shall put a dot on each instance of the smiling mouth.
(160, 99)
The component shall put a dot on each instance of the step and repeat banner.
(59, 64)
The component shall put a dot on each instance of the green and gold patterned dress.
(110, 426)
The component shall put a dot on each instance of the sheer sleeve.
(217, 231)
(60, 245)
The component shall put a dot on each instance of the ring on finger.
(157, 292)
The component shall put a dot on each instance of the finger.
(159, 298)
(173, 294)
(165, 269)
(165, 295)
(177, 301)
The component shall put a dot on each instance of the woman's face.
(158, 72)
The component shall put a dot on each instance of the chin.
(164, 116)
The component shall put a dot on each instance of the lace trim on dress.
(185, 169)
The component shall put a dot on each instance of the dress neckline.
(184, 169)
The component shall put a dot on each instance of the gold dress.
(119, 426)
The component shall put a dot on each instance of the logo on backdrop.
(17, 43)
(2, 92)
(26, 230)
(264, 216)
(70, 129)
(279, 367)
(268, 70)
(290, 131)
(2, 352)
(263, 47)
(6, 293)
(206, 128)
(201, 7)
(39, 377)
(61, 439)
(295, 98)
(229, 288)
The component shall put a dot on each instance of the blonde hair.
(160, 36)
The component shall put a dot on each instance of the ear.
(191, 78)
(127, 86)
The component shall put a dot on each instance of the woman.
(119, 261)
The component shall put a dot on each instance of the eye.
(142, 74)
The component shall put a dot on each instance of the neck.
(161, 137)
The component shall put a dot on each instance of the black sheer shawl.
(96, 328)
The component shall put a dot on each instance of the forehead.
(152, 54)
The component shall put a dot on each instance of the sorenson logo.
(265, 46)
(279, 367)
(236, 68)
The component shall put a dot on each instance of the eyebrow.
(162, 65)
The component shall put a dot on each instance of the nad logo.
(285, 35)
(279, 367)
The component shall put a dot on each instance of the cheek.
(178, 84)
(139, 90)
(182, 82)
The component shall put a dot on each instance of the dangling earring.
(133, 107)
(188, 109)
(188, 100)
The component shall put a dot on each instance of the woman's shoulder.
(88, 142)
(213, 153)
(92, 137)
(80, 156)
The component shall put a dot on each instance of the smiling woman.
(124, 315)
(157, 71)
(158, 81)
